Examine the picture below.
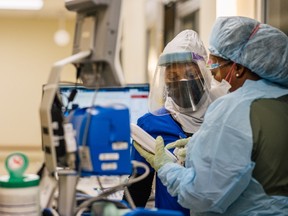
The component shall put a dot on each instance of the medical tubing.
(99, 182)
(129, 198)
(80, 213)
(127, 192)
(118, 187)
(86, 129)
(112, 190)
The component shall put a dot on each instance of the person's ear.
(239, 70)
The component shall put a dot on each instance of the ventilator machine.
(93, 141)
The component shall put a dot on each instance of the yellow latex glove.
(180, 149)
(149, 157)
(180, 153)
(181, 143)
(159, 159)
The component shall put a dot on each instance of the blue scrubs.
(170, 131)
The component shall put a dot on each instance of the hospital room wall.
(28, 53)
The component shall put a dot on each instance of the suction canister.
(19, 193)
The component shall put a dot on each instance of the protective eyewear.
(214, 66)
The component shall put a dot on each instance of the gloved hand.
(180, 148)
(159, 159)
(180, 153)
(149, 157)
(181, 143)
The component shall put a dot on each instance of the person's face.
(219, 67)
(233, 73)
(185, 71)
(185, 84)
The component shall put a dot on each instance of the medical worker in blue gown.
(236, 163)
(181, 74)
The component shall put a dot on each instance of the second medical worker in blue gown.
(177, 103)
(236, 163)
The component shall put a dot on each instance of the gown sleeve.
(218, 165)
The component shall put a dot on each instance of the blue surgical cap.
(260, 47)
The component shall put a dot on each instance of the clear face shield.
(181, 84)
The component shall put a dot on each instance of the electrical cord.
(87, 125)
(129, 198)
(85, 204)
(112, 190)
(127, 192)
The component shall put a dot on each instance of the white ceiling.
(51, 9)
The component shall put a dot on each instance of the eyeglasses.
(217, 65)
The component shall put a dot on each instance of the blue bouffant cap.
(260, 47)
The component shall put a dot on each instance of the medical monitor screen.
(134, 96)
